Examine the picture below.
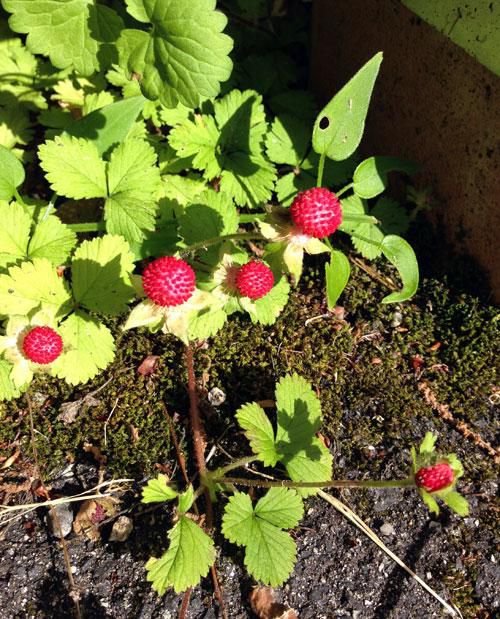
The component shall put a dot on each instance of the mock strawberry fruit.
(42, 345)
(434, 478)
(168, 281)
(254, 280)
(317, 212)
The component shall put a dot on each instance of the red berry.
(317, 212)
(254, 280)
(434, 478)
(42, 345)
(168, 281)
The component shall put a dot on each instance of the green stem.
(50, 206)
(241, 462)
(248, 219)
(19, 199)
(333, 483)
(340, 192)
(238, 236)
(368, 219)
(91, 226)
(321, 168)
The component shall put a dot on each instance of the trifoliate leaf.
(158, 490)
(8, 390)
(268, 308)
(186, 562)
(52, 240)
(299, 418)
(184, 57)
(101, 271)
(259, 432)
(457, 503)
(70, 32)
(133, 180)
(269, 552)
(186, 500)
(88, 348)
(33, 285)
(288, 140)
(73, 167)
(14, 233)
(11, 173)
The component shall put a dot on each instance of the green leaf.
(206, 322)
(430, 501)
(427, 446)
(267, 309)
(8, 391)
(186, 500)
(52, 240)
(14, 125)
(101, 271)
(392, 216)
(367, 239)
(109, 125)
(158, 490)
(400, 253)
(73, 167)
(89, 348)
(11, 173)
(370, 177)
(457, 503)
(248, 179)
(288, 140)
(133, 180)
(70, 32)
(299, 418)
(259, 432)
(185, 55)
(269, 552)
(197, 139)
(339, 127)
(186, 562)
(33, 285)
(14, 233)
(337, 273)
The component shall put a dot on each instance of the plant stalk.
(238, 236)
(91, 226)
(321, 169)
(340, 192)
(250, 218)
(332, 483)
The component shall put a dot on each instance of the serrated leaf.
(109, 125)
(205, 323)
(70, 32)
(188, 559)
(11, 173)
(259, 432)
(186, 500)
(14, 233)
(427, 446)
(197, 139)
(400, 253)
(101, 271)
(392, 216)
(182, 189)
(281, 507)
(158, 490)
(73, 167)
(299, 418)
(8, 391)
(367, 239)
(269, 552)
(337, 273)
(14, 125)
(133, 180)
(370, 177)
(339, 126)
(52, 240)
(288, 140)
(248, 179)
(457, 503)
(33, 285)
(89, 348)
(184, 57)
(430, 501)
(267, 309)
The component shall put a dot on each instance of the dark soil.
(366, 370)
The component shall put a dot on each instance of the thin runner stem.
(332, 483)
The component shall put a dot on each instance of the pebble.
(121, 530)
(387, 529)
(397, 319)
(216, 396)
(65, 516)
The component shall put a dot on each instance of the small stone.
(64, 515)
(216, 396)
(397, 319)
(121, 530)
(387, 529)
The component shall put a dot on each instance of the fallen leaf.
(264, 605)
(91, 514)
(10, 461)
(134, 433)
(149, 365)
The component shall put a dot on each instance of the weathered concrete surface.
(432, 102)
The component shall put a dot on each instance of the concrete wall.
(432, 103)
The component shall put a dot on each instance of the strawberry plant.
(199, 197)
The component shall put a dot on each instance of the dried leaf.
(91, 514)
(264, 605)
(149, 365)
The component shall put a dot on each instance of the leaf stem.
(91, 226)
(238, 236)
(250, 218)
(321, 168)
(333, 483)
(50, 206)
(19, 199)
(241, 462)
(340, 192)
